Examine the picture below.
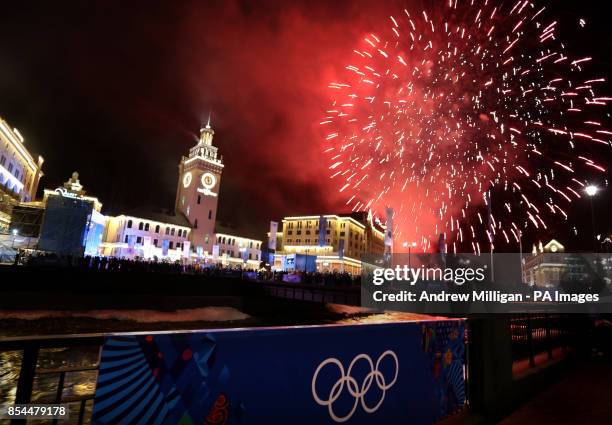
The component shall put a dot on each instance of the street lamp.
(591, 190)
(409, 246)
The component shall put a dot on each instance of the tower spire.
(206, 133)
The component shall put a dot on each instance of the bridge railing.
(50, 370)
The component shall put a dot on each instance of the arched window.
(147, 227)
(172, 231)
(140, 225)
(129, 225)
(157, 229)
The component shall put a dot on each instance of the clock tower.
(197, 193)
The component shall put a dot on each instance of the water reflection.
(74, 368)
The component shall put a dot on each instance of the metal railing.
(32, 369)
(313, 293)
(540, 335)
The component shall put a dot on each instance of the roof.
(159, 215)
(228, 229)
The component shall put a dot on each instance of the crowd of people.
(140, 265)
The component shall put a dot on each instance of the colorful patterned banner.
(410, 372)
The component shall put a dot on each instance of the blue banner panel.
(396, 373)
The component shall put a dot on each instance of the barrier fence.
(47, 370)
(419, 364)
(538, 338)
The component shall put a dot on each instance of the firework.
(442, 108)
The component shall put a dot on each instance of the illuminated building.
(191, 233)
(197, 192)
(236, 250)
(20, 173)
(544, 267)
(338, 241)
(73, 224)
(197, 198)
(147, 235)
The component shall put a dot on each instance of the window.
(167, 230)
(195, 224)
(250, 256)
(299, 232)
(341, 234)
(289, 232)
(199, 199)
(126, 238)
(171, 245)
(138, 239)
(180, 233)
(129, 225)
(308, 232)
(155, 241)
(140, 225)
(223, 240)
(172, 231)
(209, 214)
(3, 160)
(157, 230)
(147, 227)
(10, 167)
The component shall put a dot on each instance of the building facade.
(197, 194)
(189, 234)
(545, 266)
(20, 173)
(232, 249)
(338, 241)
(154, 238)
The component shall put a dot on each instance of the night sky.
(117, 91)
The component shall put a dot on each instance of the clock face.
(208, 180)
(187, 179)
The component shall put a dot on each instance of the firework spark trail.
(439, 108)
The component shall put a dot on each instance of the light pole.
(409, 246)
(591, 190)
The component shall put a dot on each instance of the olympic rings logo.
(355, 390)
